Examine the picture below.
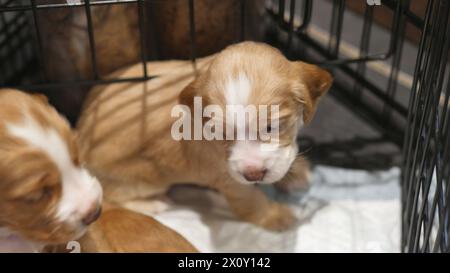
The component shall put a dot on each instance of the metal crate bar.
(364, 48)
(7, 8)
(337, 21)
(192, 32)
(336, 30)
(426, 167)
(87, 5)
(56, 85)
(143, 38)
(330, 52)
(34, 7)
(40, 51)
(395, 50)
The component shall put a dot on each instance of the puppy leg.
(252, 205)
(298, 178)
(150, 206)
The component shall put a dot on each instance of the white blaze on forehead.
(237, 90)
(80, 191)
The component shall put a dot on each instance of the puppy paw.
(151, 206)
(301, 182)
(278, 218)
(298, 178)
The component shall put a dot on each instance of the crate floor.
(344, 211)
(338, 137)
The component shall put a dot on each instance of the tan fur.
(30, 184)
(120, 230)
(125, 128)
(217, 24)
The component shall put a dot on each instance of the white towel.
(344, 211)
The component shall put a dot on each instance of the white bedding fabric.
(344, 211)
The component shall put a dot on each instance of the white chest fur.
(12, 243)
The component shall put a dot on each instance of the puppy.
(120, 230)
(216, 26)
(66, 47)
(46, 196)
(127, 130)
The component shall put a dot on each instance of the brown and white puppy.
(119, 230)
(46, 196)
(126, 129)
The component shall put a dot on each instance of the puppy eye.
(271, 127)
(39, 195)
(76, 160)
(75, 155)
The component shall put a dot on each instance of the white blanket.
(344, 211)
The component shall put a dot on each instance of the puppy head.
(45, 194)
(251, 75)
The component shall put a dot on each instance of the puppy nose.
(92, 215)
(254, 174)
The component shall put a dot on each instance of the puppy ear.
(192, 90)
(186, 96)
(40, 97)
(314, 83)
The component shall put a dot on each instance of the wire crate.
(426, 168)
(33, 8)
(410, 112)
(16, 52)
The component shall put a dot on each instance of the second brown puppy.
(120, 230)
